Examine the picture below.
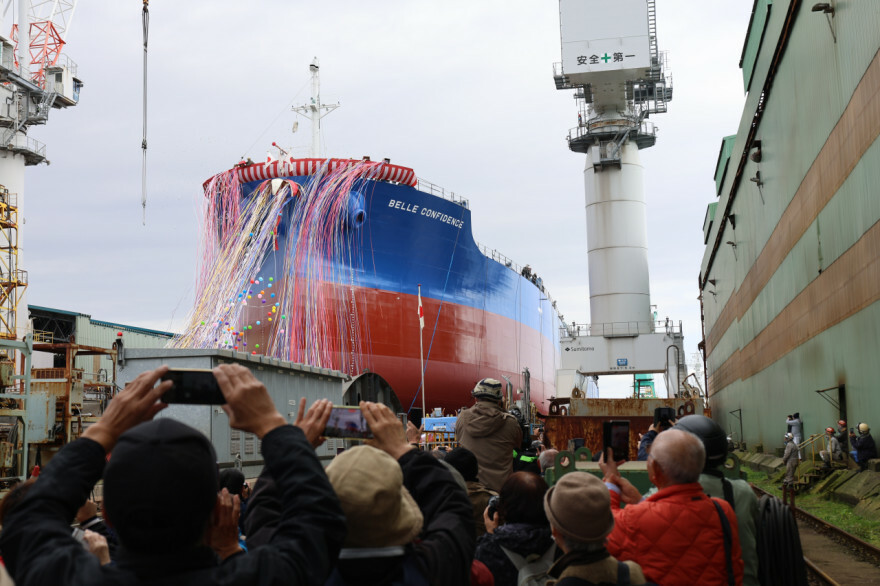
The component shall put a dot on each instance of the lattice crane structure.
(35, 78)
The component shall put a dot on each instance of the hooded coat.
(492, 435)
(521, 538)
(39, 549)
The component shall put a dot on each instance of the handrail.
(427, 187)
(515, 267)
(621, 328)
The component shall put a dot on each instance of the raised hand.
(248, 404)
(314, 422)
(223, 533)
(388, 434)
(136, 403)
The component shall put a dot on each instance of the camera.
(494, 501)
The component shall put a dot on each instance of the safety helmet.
(713, 436)
(864, 429)
(488, 388)
(841, 423)
(829, 430)
(788, 437)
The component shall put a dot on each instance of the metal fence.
(428, 187)
(610, 330)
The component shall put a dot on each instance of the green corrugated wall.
(813, 86)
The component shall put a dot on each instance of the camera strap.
(726, 486)
(728, 543)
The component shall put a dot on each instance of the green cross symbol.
(605, 58)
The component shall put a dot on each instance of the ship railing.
(497, 256)
(509, 263)
(621, 329)
(428, 187)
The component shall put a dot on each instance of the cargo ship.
(344, 264)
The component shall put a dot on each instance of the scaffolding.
(13, 280)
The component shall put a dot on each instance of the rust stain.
(589, 414)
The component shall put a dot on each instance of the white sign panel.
(631, 355)
(604, 36)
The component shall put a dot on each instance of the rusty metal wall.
(587, 416)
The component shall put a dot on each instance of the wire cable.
(146, 26)
(780, 557)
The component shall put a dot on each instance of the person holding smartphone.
(704, 527)
(167, 530)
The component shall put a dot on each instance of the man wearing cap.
(678, 535)
(409, 521)
(490, 433)
(160, 490)
(579, 510)
(863, 444)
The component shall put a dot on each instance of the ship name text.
(427, 212)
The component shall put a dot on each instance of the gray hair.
(680, 454)
(547, 459)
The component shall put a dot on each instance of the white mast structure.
(610, 59)
(36, 78)
(315, 110)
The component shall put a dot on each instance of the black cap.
(160, 486)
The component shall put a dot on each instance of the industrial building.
(790, 278)
(70, 366)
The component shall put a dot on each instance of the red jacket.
(675, 535)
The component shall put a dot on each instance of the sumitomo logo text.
(580, 349)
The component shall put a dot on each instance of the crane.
(48, 26)
(35, 78)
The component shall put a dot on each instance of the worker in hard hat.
(864, 447)
(842, 435)
(490, 432)
(832, 450)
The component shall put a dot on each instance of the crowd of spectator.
(386, 513)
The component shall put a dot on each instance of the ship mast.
(315, 110)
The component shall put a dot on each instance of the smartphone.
(80, 535)
(663, 415)
(615, 435)
(193, 386)
(348, 423)
(493, 505)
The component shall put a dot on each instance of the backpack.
(531, 570)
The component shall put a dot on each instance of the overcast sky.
(461, 91)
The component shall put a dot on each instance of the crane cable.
(146, 26)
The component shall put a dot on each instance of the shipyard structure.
(790, 278)
(611, 60)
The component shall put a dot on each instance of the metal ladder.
(652, 40)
